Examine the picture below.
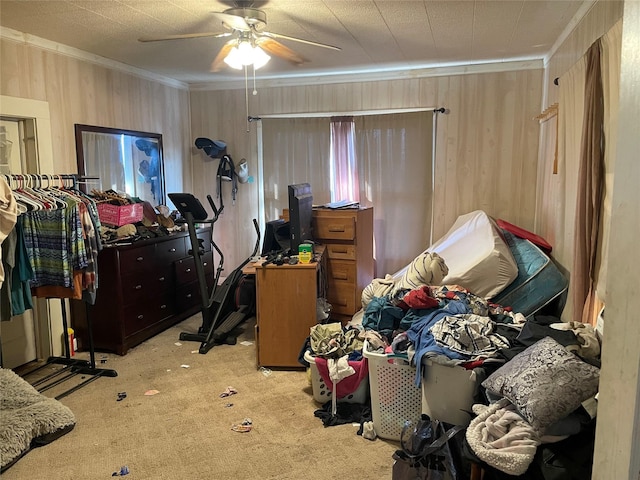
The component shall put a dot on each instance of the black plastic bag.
(426, 453)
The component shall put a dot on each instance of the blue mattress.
(539, 287)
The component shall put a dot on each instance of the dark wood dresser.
(143, 288)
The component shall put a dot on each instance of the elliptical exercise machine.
(220, 315)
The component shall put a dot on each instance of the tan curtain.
(590, 189)
(295, 150)
(570, 115)
(395, 169)
(610, 59)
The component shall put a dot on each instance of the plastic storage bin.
(448, 392)
(395, 398)
(321, 392)
(117, 216)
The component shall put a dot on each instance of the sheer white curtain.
(395, 169)
(295, 150)
(101, 152)
(394, 153)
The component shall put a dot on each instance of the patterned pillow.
(428, 268)
(545, 382)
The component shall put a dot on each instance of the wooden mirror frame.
(132, 166)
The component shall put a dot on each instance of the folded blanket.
(500, 437)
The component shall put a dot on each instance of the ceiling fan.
(247, 25)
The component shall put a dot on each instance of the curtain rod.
(351, 113)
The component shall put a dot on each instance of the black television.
(300, 212)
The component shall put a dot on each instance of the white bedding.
(476, 255)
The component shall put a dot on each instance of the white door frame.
(35, 114)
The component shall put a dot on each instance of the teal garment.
(382, 316)
(8, 246)
(21, 299)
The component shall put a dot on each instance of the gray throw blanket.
(27, 418)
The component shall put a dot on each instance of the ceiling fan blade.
(301, 40)
(218, 62)
(234, 22)
(184, 36)
(274, 47)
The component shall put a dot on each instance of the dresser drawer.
(136, 288)
(171, 250)
(340, 251)
(186, 268)
(137, 259)
(139, 316)
(188, 296)
(334, 228)
(342, 271)
(342, 298)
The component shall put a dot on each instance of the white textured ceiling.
(373, 34)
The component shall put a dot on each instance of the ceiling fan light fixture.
(260, 58)
(245, 54)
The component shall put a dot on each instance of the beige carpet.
(184, 431)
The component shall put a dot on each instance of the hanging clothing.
(57, 246)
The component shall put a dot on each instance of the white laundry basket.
(448, 392)
(322, 393)
(395, 398)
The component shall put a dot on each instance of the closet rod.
(71, 366)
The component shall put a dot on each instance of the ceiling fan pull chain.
(255, 90)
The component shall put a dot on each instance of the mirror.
(122, 160)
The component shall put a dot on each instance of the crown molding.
(405, 72)
(388, 73)
(573, 23)
(38, 42)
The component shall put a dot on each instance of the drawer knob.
(204, 264)
(162, 307)
(339, 250)
(336, 228)
(138, 287)
(139, 259)
(188, 270)
(340, 276)
(140, 317)
(189, 295)
(161, 279)
(172, 249)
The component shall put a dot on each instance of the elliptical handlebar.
(216, 212)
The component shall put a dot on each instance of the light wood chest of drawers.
(347, 235)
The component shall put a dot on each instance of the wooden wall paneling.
(440, 87)
(466, 182)
(504, 141)
(82, 92)
(464, 153)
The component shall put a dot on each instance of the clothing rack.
(71, 367)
